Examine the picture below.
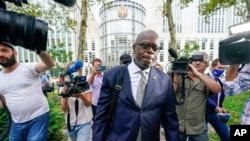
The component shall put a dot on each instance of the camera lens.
(23, 30)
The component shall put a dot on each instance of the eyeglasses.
(146, 46)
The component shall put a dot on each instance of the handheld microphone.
(68, 3)
(172, 52)
(72, 68)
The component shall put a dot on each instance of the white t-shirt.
(85, 114)
(23, 93)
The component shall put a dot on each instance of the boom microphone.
(74, 67)
(68, 3)
(172, 52)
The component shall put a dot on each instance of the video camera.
(181, 65)
(233, 51)
(24, 30)
(76, 83)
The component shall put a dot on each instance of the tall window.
(161, 57)
(161, 44)
(93, 45)
(86, 46)
(203, 45)
(211, 55)
(211, 44)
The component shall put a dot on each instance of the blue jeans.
(81, 132)
(198, 137)
(33, 130)
(220, 127)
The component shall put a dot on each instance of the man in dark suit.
(139, 112)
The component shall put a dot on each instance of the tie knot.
(142, 72)
(143, 76)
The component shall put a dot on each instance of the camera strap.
(68, 116)
(182, 98)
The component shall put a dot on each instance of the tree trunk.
(83, 29)
(248, 8)
(168, 13)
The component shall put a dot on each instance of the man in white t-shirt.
(23, 94)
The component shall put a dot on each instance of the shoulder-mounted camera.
(181, 65)
(24, 30)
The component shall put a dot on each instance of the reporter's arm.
(91, 78)
(86, 97)
(64, 100)
(240, 83)
(46, 63)
(64, 104)
(232, 72)
(212, 85)
(92, 75)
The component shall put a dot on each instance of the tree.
(189, 47)
(85, 7)
(167, 11)
(206, 9)
(60, 55)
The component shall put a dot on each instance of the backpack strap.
(114, 100)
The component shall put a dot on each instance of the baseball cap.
(8, 45)
(125, 57)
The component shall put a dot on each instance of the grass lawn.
(233, 104)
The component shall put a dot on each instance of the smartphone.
(102, 68)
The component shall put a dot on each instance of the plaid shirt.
(239, 84)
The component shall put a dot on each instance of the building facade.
(113, 31)
(119, 25)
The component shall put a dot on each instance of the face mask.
(217, 73)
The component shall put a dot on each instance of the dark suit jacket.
(158, 107)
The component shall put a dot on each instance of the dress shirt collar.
(135, 69)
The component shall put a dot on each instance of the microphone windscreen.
(68, 3)
(172, 52)
(77, 65)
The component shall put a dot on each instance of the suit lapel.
(127, 90)
(152, 80)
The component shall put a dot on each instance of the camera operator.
(237, 81)
(78, 112)
(192, 89)
(21, 87)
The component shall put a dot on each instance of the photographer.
(191, 95)
(237, 81)
(22, 91)
(77, 109)
(95, 81)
